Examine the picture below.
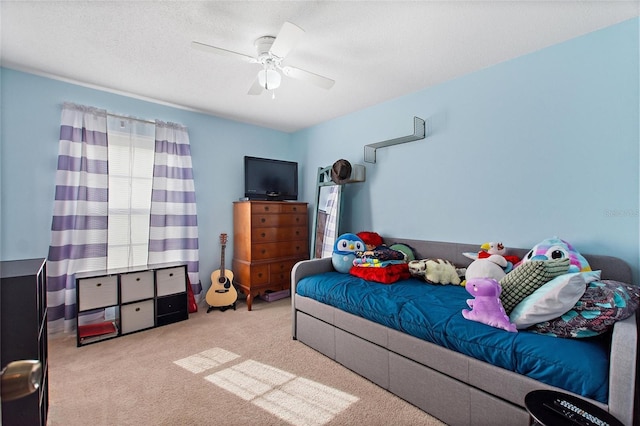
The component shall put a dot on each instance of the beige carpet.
(233, 368)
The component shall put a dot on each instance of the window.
(131, 157)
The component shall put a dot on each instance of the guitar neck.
(222, 260)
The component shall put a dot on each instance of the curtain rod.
(131, 118)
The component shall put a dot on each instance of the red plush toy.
(371, 239)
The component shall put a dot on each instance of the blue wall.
(545, 144)
(31, 108)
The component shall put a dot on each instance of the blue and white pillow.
(552, 299)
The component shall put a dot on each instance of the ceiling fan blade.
(286, 40)
(318, 80)
(255, 89)
(219, 51)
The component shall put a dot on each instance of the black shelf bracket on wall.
(419, 132)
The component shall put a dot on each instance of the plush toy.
(371, 239)
(409, 253)
(486, 307)
(491, 248)
(435, 271)
(490, 263)
(556, 248)
(344, 252)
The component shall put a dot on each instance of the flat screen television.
(268, 179)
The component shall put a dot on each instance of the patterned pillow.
(527, 278)
(603, 303)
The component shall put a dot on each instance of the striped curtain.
(173, 233)
(79, 225)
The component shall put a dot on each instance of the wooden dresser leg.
(249, 300)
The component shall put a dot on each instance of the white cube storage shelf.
(118, 302)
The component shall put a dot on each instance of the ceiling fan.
(272, 51)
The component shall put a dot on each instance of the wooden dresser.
(269, 237)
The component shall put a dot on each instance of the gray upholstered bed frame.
(457, 389)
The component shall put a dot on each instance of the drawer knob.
(138, 279)
(263, 251)
(263, 235)
(137, 309)
(266, 208)
(263, 220)
(297, 219)
(171, 274)
(98, 285)
(260, 275)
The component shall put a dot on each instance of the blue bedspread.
(433, 313)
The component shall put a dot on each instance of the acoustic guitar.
(222, 294)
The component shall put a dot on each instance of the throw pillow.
(552, 299)
(602, 304)
(527, 278)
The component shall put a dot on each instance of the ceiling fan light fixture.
(269, 79)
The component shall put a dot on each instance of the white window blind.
(131, 157)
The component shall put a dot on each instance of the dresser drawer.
(259, 274)
(265, 235)
(136, 286)
(137, 316)
(278, 220)
(97, 292)
(294, 208)
(279, 250)
(248, 274)
(171, 281)
(280, 273)
(267, 207)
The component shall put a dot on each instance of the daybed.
(456, 388)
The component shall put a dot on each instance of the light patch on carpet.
(296, 400)
(206, 360)
(249, 379)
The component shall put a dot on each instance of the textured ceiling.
(375, 51)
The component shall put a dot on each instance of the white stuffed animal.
(435, 271)
(491, 265)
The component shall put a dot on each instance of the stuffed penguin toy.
(344, 251)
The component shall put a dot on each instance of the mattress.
(433, 313)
